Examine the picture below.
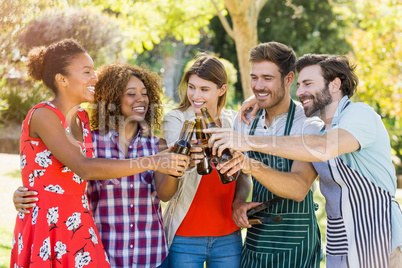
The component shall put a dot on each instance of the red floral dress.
(60, 230)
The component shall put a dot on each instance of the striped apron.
(293, 242)
(358, 217)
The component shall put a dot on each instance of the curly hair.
(45, 62)
(109, 90)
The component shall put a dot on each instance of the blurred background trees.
(166, 34)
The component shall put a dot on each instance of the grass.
(5, 246)
(15, 174)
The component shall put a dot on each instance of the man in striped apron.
(352, 155)
(295, 241)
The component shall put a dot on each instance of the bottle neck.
(209, 122)
(188, 133)
(183, 130)
(198, 129)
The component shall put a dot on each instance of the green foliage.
(376, 42)
(318, 29)
(98, 33)
(18, 99)
(148, 22)
(14, 16)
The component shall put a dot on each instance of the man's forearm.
(310, 148)
(290, 185)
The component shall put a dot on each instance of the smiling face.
(204, 93)
(135, 101)
(312, 91)
(81, 78)
(267, 84)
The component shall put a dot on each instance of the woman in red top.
(56, 151)
(198, 219)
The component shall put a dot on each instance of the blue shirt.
(373, 158)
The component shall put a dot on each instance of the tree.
(376, 42)
(244, 16)
(94, 30)
(151, 21)
(14, 16)
(98, 33)
(146, 23)
(319, 29)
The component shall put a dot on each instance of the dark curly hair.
(45, 62)
(109, 90)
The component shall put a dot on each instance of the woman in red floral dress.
(56, 151)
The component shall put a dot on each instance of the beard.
(320, 100)
(275, 99)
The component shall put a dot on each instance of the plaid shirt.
(127, 211)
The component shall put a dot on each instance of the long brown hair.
(206, 67)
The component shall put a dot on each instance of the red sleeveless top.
(60, 230)
(210, 213)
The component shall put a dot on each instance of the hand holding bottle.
(226, 154)
(170, 163)
(204, 167)
(196, 153)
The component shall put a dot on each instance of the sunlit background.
(166, 34)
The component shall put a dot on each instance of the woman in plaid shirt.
(127, 210)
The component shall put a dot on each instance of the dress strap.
(45, 104)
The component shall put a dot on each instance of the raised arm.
(165, 184)
(291, 185)
(310, 148)
(46, 125)
(247, 105)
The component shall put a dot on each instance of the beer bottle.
(205, 166)
(226, 154)
(183, 144)
(183, 129)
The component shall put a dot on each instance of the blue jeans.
(165, 263)
(216, 251)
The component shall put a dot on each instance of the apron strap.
(288, 127)
(289, 119)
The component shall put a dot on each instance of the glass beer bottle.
(226, 154)
(183, 145)
(183, 129)
(205, 166)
